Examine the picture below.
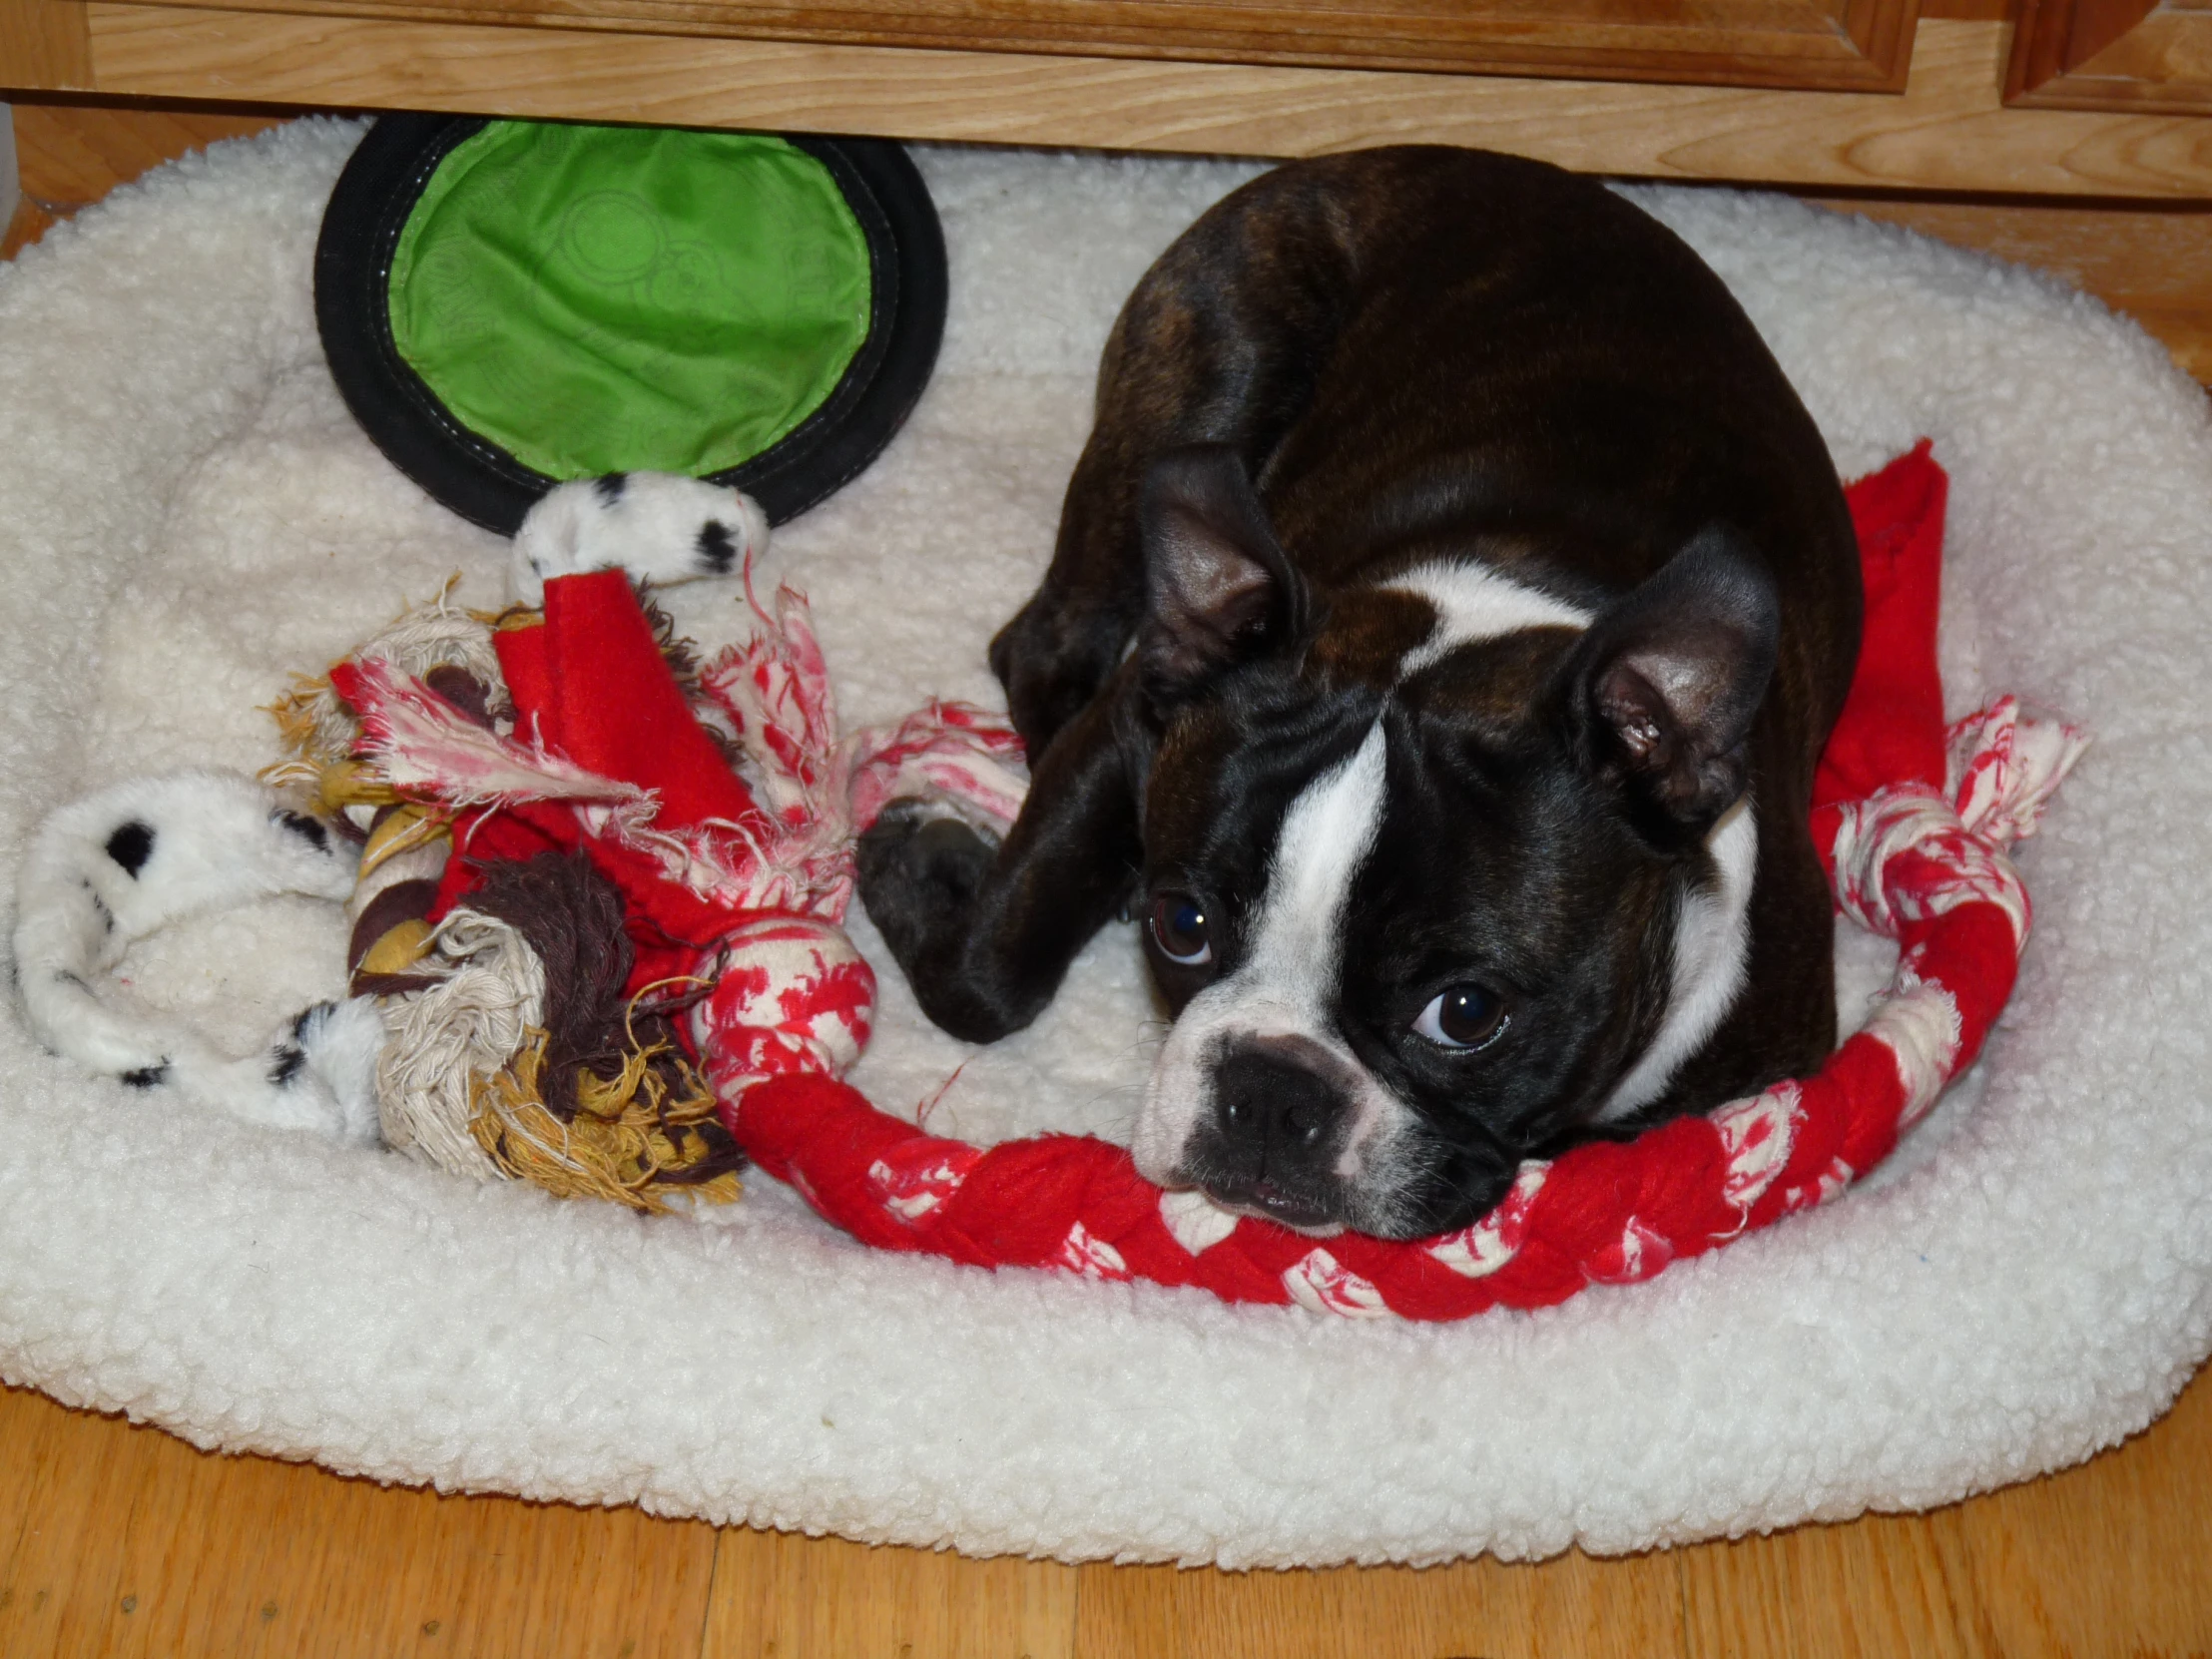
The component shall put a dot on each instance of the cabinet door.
(2113, 55)
(1855, 45)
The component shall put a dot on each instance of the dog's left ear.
(1665, 684)
(1218, 588)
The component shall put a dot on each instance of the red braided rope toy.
(1912, 820)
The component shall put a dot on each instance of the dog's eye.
(1462, 1017)
(1179, 929)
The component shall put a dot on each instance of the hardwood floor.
(117, 1539)
(71, 155)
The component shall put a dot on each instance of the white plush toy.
(111, 869)
(659, 527)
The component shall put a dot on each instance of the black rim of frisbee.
(485, 485)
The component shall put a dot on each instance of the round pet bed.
(186, 512)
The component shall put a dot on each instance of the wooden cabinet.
(2112, 55)
(1786, 91)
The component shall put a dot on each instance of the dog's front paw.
(920, 876)
(658, 526)
(1051, 668)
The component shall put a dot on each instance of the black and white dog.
(1447, 612)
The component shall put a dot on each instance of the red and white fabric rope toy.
(1913, 866)
(1916, 819)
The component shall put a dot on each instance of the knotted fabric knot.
(791, 993)
(1908, 852)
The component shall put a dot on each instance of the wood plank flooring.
(70, 155)
(118, 1539)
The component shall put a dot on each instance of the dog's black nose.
(1281, 1116)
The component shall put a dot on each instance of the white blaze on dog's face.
(1406, 895)
(1242, 1044)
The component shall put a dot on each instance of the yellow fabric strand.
(398, 951)
(628, 1133)
(411, 825)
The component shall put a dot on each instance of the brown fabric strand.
(571, 916)
(600, 1054)
(465, 691)
(392, 985)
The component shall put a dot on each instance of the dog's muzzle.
(1274, 1140)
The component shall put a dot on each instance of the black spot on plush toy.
(131, 846)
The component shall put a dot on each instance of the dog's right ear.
(1219, 590)
(1669, 679)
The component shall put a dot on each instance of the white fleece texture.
(186, 513)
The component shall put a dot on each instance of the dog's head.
(1438, 878)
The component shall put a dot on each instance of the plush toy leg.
(116, 867)
(655, 526)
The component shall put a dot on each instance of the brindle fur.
(1417, 353)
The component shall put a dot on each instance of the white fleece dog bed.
(186, 513)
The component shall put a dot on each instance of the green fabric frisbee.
(511, 305)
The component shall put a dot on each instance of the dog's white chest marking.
(1473, 602)
(1712, 943)
(1711, 937)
